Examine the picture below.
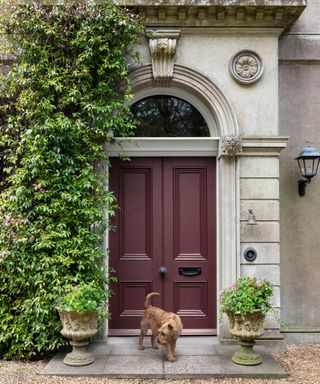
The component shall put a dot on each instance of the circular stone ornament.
(246, 67)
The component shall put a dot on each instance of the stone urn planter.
(246, 327)
(79, 328)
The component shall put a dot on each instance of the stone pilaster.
(259, 192)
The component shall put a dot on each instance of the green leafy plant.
(84, 297)
(62, 97)
(246, 295)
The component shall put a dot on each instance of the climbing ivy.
(61, 99)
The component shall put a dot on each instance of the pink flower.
(38, 187)
(234, 287)
(260, 283)
(75, 288)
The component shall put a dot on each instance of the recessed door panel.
(191, 298)
(131, 295)
(136, 213)
(189, 213)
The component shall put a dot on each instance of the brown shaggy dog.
(166, 327)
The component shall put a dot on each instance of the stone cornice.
(217, 13)
(263, 145)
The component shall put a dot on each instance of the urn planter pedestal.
(246, 327)
(78, 328)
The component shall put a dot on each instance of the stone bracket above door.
(162, 44)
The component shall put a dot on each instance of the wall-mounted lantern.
(308, 161)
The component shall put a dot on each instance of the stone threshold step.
(196, 357)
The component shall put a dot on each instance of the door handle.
(163, 271)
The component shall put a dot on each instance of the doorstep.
(196, 357)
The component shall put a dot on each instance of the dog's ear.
(170, 326)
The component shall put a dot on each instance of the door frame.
(219, 115)
(227, 262)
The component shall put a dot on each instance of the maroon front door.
(166, 218)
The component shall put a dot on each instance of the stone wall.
(259, 192)
(256, 108)
(299, 56)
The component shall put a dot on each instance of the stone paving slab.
(268, 369)
(196, 350)
(194, 367)
(196, 357)
(58, 368)
(134, 366)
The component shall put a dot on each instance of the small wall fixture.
(308, 161)
(251, 218)
(250, 254)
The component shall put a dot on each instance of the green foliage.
(85, 297)
(246, 295)
(64, 96)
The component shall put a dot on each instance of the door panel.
(189, 240)
(135, 244)
(166, 217)
(135, 203)
(188, 208)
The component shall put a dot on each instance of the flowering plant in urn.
(246, 304)
(84, 297)
(79, 310)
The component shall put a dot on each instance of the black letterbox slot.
(190, 271)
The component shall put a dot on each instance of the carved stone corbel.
(162, 45)
(230, 145)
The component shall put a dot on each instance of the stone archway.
(200, 88)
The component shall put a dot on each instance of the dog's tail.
(147, 303)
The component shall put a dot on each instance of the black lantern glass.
(308, 161)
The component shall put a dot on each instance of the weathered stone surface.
(162, 46)
(308, 22)
(259, 167)
(201, 13)
(263, 209)
(275, 299)
(259, 188)
(267, 253)
(300, 217)
(200, 357)
(271, 319)
(270, 272)
(264, 232)
(204, 3)
(299, 48)
(260, 97)
(246, 327)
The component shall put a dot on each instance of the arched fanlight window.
(168, 116)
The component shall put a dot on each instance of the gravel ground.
(301, 361)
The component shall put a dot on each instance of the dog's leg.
(143, 331)
(154, 342)
(169, 354)
(173, 347)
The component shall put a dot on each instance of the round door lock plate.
(250, 254)
(163, 271)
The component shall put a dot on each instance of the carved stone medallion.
(246, 67)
